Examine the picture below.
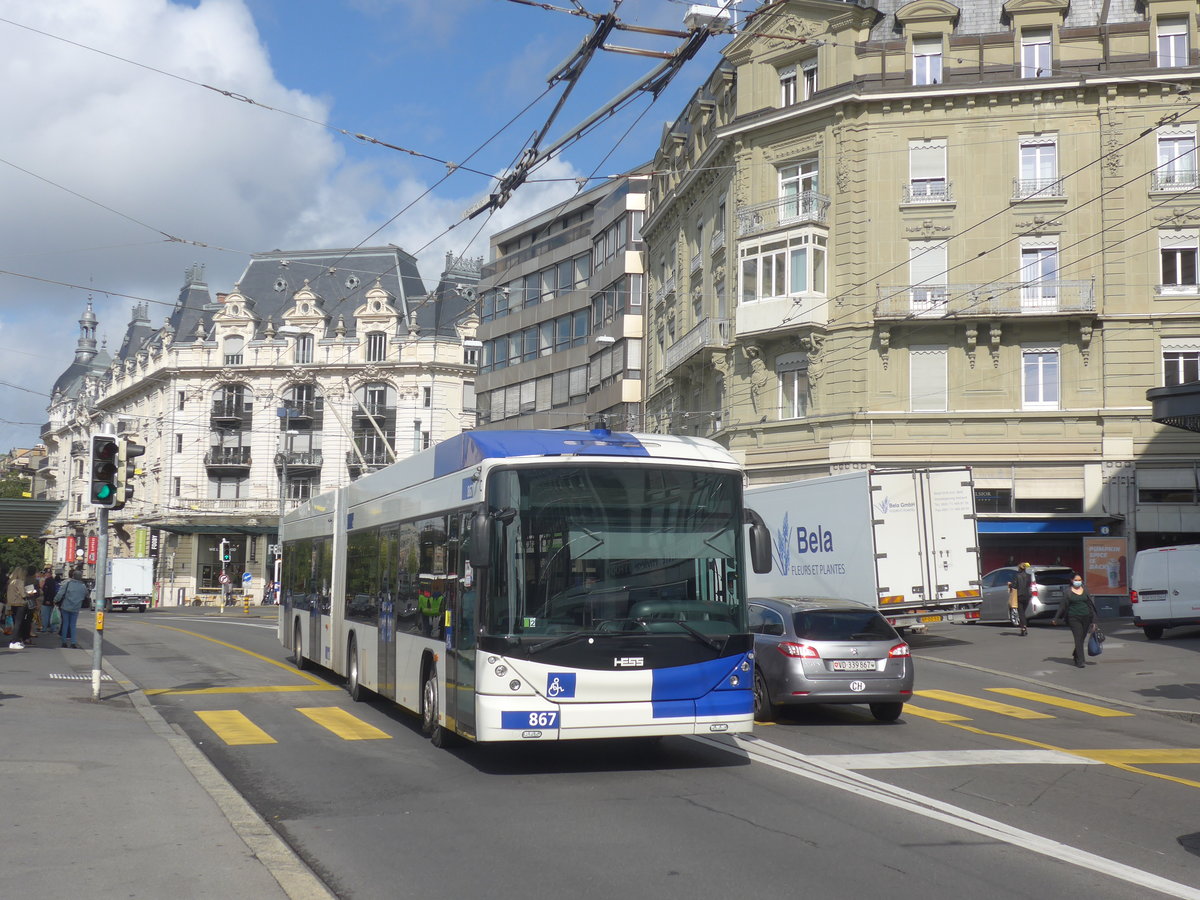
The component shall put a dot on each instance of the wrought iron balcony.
(707, 333)
(697, 260)
(807, 207)
(664, 290)
(372, 410)
(371, 460)
(717, 241)
(1020, 298)
(1038, 189)
(1174, 181)
(230, 410)
(300, 409)
(228, 458)
(928, 192)
(299, 459)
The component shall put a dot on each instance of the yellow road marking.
(261, 689)
(346, 726)
(1059, 701)
(310, 678)
(233, 727)
(1004, 709)
(936, 714)
(1145, 757)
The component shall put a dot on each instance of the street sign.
(246, 578)
(224, 579)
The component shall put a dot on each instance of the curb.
(1185, 715)
(293, 875)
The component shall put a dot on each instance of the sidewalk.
(107, 800)
(1151, 676)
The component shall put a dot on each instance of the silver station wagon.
(813, 650)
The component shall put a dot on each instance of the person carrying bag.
(1020, 590)
(1078, 609)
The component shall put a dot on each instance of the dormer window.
(233, 348)
(927, 60)
(376, 346)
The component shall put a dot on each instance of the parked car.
(818, 650)
(1165, 592)
(1049, 585)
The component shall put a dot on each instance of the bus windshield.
(595, 549)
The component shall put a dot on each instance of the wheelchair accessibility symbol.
(560, 684)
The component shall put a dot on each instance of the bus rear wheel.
(353, 686)
(298, 659)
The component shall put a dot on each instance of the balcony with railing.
(664, 290)
(1021, 298)
(299, 459)
(697, 261)
(708, 333)
(774, 313)
(1169, 182)
(227, 458)
(805, 208)
(1039, 189)
(377, 411)
(300, 410)
(370, 462)
(918, 192)
(230, 410)
(717, 242)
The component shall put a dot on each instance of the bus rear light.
(798, 651)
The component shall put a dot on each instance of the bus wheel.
(298, 659)
(430, 707)
(353, 685)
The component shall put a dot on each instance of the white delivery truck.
(1165, 588)
(130, 583)
(902, 540)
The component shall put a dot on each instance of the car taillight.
(1133, 596)
(899, 650)
(798, 651)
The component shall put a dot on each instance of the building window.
(376, 346)
(182, 401)
(1172, 42)
(1181, 361)
(790, 266)
(927, 268)
(177, 487)
(304, 349)
(797, 187)
(927, 60)
(468, 396)
(228, 488)
(470, 356)
(179, 443)
(233, 348)
(810, 80)
(927, 378)
(927, 172)
(1039, 378)
(1038, 161)
(1036, 54)
(1176, 169)
(787, 86)
(427, 397)
(1039, 278)
(1178, 250)
(791, 371)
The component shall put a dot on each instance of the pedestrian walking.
(49, 589)
(1022, 586)
(1078, 609)
(21, 597)
(70, 601)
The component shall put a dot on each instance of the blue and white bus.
(534, 585)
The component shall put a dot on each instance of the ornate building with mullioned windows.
(318, 367)
(924, 233)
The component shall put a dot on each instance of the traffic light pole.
(98, 599)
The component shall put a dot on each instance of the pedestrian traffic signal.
(225, 557)
(127, 469)
(104, 471)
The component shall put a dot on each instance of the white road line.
(929, 759)
(794, 763)
(272, 625)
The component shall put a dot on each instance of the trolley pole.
(98, 599)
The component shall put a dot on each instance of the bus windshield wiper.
(560, 640)
(698, 635)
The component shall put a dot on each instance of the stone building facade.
(925, 233)
(318, 367)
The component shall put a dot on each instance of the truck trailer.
(901, 540)
(130, 583)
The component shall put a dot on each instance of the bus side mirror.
(480, 547)
(760, 542)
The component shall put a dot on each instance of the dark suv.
(1049, 585)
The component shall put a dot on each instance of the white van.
(1165, 589)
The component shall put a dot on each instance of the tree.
(14, 486)
(20, 552)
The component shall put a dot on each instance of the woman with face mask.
(1079, 611)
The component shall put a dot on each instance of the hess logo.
(629, 662)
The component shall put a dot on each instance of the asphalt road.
(1034, 797)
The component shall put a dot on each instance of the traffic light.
(105, 482)
(225, 557)
(127, 469)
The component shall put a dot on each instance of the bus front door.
(460, 655)
(386, 650)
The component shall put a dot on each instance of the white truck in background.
(130, 583)
(902, 540)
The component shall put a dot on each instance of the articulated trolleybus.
(534, 585)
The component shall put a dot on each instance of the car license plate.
(931, 618)
(854, 665)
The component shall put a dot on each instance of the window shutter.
(927, 262)
(927, 379)
(927, 159)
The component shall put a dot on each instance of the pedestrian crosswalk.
(237, 730)
(1026, 710)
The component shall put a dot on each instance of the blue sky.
(118, 170)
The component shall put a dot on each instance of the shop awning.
(1037, 526)
(26, 518)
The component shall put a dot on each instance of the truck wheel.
(1154, 632)
(887, 712)
(141, 609)
(353, 686)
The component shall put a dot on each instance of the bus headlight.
(734, 681)
(745, 667)
(514, 685)
(501, 671)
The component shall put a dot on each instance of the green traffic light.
(104, 491)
